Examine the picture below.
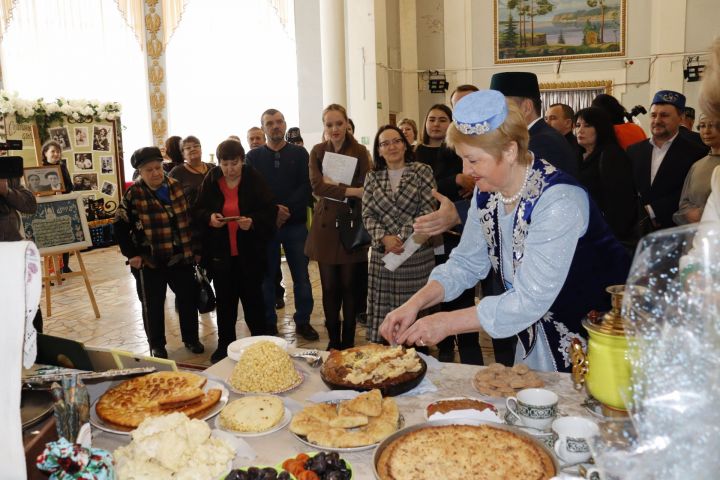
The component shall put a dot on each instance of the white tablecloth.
(451, 379)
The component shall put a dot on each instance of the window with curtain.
(78, 49)
(227, 62)
(577, 96)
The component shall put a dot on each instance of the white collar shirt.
(530, 125)
(658, 155)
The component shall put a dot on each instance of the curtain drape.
(576, 98)
(132, 11)
(78, 49)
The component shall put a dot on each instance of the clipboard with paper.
(339, 168)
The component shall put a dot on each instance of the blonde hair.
(334, 107)
(710, 88)
(513, 129)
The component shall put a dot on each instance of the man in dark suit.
(545, 142)
(661, 163)
(686, 127)
(560, 117)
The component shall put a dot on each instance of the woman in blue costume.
(536, 227)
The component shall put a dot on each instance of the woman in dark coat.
(606, 172)
(235, 214)
(341, 271)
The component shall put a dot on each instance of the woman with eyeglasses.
(235, 213)
(397, 191)
(606, 171)
(447, 169)
(193, 171)
(696, 189)
(341, 270)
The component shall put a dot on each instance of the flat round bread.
(464, 451)
(160, 393)
(252, 414)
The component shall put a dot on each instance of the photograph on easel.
(58, 225)
(45, 180)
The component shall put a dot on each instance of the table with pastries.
(442, 380)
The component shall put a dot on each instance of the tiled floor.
(120, 322)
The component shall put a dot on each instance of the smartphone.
(229, 219)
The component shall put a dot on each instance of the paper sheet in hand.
(411, 245)
(340, 168)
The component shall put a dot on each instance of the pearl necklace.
(516, 197)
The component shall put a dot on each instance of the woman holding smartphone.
(236, 215)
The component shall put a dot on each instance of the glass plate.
(303, 439)
(291, 387)
(283, 422)
(98, 422)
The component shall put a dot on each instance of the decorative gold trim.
(607, 85)
(620, 53)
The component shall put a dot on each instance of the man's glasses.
(387, 143)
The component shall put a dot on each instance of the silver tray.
(315, 446)
(438, 423)
(35, 405)
(98, 422)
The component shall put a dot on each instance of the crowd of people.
(543, 212)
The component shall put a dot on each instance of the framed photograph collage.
(92, 153)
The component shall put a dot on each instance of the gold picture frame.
(557, 31)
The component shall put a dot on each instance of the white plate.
(283, 422)
(303, 439)
(236, 348)
(291, 387)
(98, 422)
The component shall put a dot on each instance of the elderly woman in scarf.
(536, 227)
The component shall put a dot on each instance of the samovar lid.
(611, 323)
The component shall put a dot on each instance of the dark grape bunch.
(328, 466)
(255, 473)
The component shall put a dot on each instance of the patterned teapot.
(605, 368)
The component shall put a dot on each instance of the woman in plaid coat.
(396, 192)
(152, 225)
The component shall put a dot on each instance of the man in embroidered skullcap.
(545, 141)
(686, 126)
(661, 163)
(535, 227)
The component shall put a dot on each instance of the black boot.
(333, 329)
(348, 334)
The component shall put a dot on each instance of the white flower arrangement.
(73, 110)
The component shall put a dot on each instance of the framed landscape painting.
(547, 30)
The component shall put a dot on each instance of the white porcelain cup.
(534, 407)
(573, 438)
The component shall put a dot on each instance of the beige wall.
(457, 35)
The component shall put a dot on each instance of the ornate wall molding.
(155, 61)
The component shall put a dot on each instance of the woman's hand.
(136, 262)
(216, 220)
(245, 223)
(439, 221)
(397, 322)
(393, 244)
(427, 331)
(329, 180)
(356, 192)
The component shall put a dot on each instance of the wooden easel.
(55, 260)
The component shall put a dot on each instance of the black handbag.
(205, 293)
(348, 221)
